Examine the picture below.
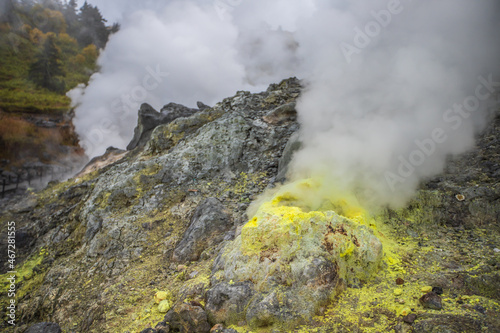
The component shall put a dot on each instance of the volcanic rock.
(431, 300)
(208, 225)
(187, 318)
(44, 328)
(149, 118)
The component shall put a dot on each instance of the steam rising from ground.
(388, 119)
(392, 87)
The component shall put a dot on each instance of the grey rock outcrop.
(149, 119)
(208, 225)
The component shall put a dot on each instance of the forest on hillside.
(47, 47)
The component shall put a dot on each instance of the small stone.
(405, 311)
(193, 274)
(437, 290)
(161, 295)
(28, 275)
(496, 250)
(480, 309)
(400, 301)
(410, 318)
(398, 291)
(400, 281)
(426, 289)
(187, 318)
(460, 197)
(431, 301)
(217, 329)
(164, 306)
(196, 303)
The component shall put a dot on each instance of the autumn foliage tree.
(47, 71)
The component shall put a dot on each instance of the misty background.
(381, 79)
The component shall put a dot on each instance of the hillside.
(44, 52)
(164, 239)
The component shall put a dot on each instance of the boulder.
(227, 300)
(431, 300)
(208, 226)
(187, 318)
(294, 258)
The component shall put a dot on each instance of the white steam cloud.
(393, 86)
(414, 90)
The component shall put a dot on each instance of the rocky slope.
(160, 239)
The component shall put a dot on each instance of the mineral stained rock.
(293, 258)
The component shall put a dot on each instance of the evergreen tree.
(8, 13)
(115, 27)
(71, 17)
(52, 4)
(93, 27)
(47, 70)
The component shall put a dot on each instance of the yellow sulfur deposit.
(164, 306)
(426, 289)
(161, 296)
(297, 221)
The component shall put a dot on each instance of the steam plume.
(392, 87)
(409, 95)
